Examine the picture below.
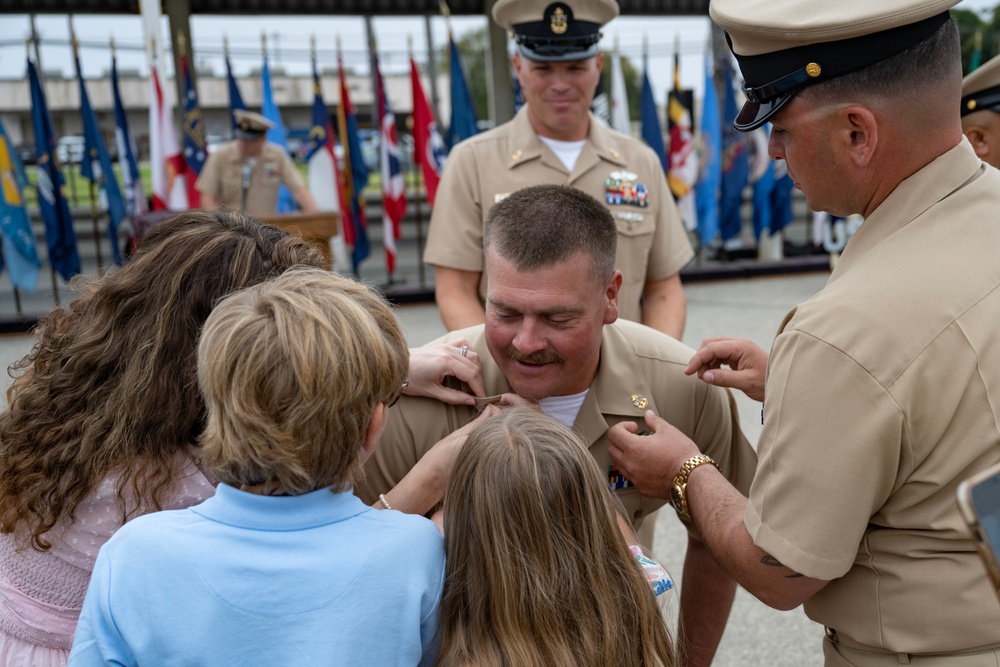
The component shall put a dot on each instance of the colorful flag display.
(96, 167)
(652, 132)
(135, 200)
(464, 122)
(772, 198)
(59, 234)
(325, 182)
(193, 125)
(277, 134)
(710, 176)
(166, 163)
(429, 148)
(18, 241)
(393, 185)
(620, 119)
(355, 172)
(735, 163)
(683, 160)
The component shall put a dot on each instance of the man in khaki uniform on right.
(981, 110)
(882, 392)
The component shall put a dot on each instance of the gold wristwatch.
(678, 492)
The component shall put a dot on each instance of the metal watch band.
(691, 464)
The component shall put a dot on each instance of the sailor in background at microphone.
(244, 174)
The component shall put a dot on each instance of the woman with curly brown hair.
(101, 424)
(538, 571)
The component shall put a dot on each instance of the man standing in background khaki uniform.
(882, 390)
(555, 140)
(981, 110)
(245, 174)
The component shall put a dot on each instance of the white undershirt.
(566, 151)
(563, 408)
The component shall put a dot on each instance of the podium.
(317, 228)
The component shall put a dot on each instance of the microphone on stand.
(247, 168)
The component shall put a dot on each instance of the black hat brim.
(558, 55)
(248, 135)
(755, 114)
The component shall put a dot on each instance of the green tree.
(633, 83)
(969, 25)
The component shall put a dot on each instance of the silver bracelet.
(385, 503)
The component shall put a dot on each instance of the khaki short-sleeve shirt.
(222, 177)
(618, 170)
(883, 393)
(635, 361)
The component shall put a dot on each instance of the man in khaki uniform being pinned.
(882, 390)
(245, 174)
(552, 335)
(981, 110)
(554, 139)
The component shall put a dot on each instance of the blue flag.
(193, 126)
(355, 171)
(235, 99)
(96, 167)
(706, 191)
(15, 226)
(463, 113)
(59, 234)
(735, 163)
(781, 198)
(763, 187)
(135, 200)
(652, 132)
(276, 135)
(518, 94)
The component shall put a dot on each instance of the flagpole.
(38, 196)
(75, 43)
(411, 124)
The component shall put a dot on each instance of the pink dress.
(41, 593)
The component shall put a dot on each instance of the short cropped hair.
(930, 61)
(544, 225)
(292, 371)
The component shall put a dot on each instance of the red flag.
(429, 149)
(166, 163)
(322, 163)
(393, 185)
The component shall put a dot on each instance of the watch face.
(677, 498)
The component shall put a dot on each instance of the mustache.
(510, 352)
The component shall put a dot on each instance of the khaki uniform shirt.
(222, 177)
(635, 360)
(618, 170)
(883, 393)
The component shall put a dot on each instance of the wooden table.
(317, 228)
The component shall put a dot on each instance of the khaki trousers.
(839, 655)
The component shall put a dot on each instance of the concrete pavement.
(747, 308)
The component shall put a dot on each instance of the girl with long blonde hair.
(538, 572)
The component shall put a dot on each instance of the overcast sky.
(288, 42)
